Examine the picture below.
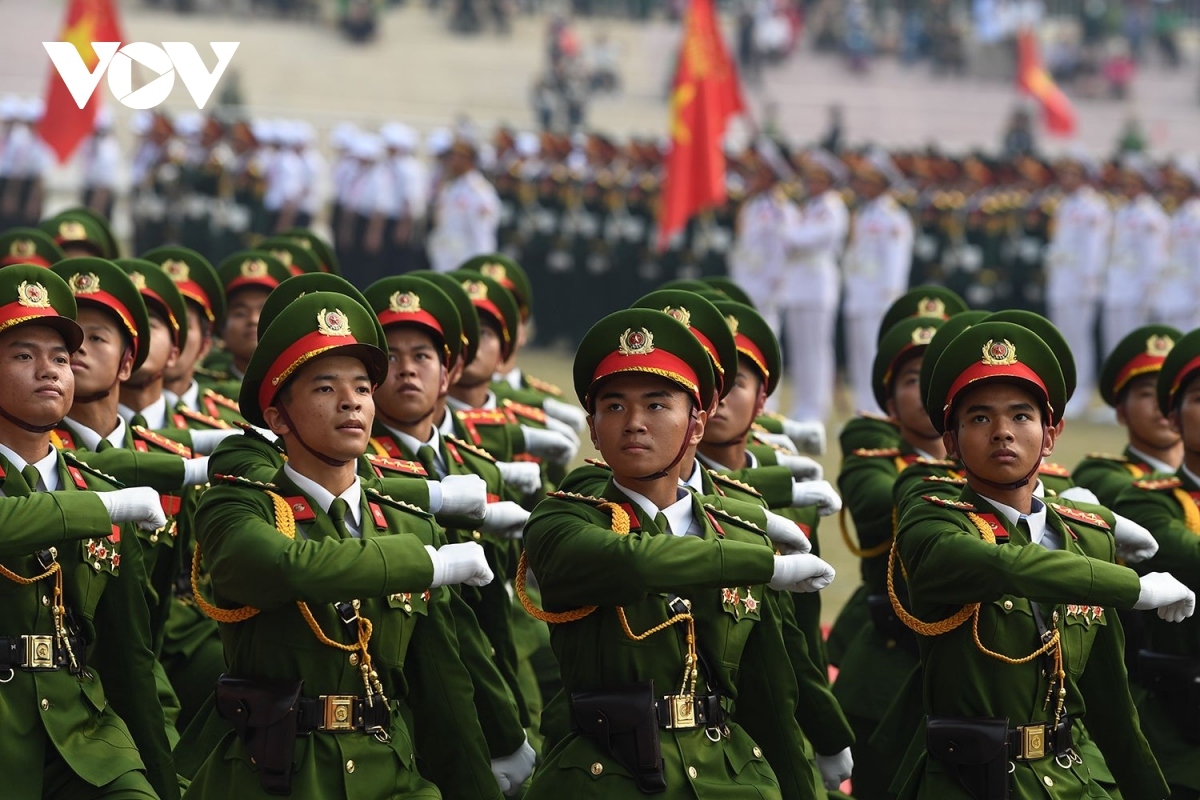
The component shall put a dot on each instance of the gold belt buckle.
(683, 710)
(1033, 742)
(39, 652)
(339, 712)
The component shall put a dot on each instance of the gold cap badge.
(72, 231)
(476, 290)
(333, 323)
(404, 302)
(22, 248)
(33, 295)
(999, 354)
(284, 256)
(931, 307)
(681, 314)
(923, 336)
(636, 343)
(1159, 346)
(177, 270)
(138, 279)
(496, 272)
(254, 268)
(84, 283)
(732, 322)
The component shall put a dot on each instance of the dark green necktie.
(660, 520)
(138, 421)
(337, 514)
(32, 477)
(428, 459)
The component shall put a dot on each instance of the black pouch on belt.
(624, 723)
(974, 750)
(264, 715)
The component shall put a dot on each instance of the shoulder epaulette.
(482, 416)
(527, 411)
(1109, 457)
(1057, 470)
(1159, 484)
(470, 448)
(957, 505)
(157, 439)
(397, 465)
(876, 417)
(375, 494)
(937, 462)
(729, 480)
(596, 462)
(757, 432)
(249, 430)
(222, 400)
(881, 452)
(952, 479)
(723, 514)
(1078, 515)
(237, 480)
(74, 460)
(543, 386)
(584, 498)
(212, 374)
(203, 419)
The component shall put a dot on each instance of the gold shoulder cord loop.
(58, 609)
(1191, 513)
(1135, 471)
(869, 552)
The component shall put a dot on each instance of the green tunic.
(1109, 475)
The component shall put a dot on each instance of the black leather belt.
(38, 653)
(1037, 741)
(685, 711)
(341, 713)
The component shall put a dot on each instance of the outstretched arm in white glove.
(569, 413)
(809, 437)
(803, 468)
(816, 493)
(836, 769)
(1134, 543)
(786, 535)
(511, 771)
(523, 476)
(137, 504)
(801, 573)
(1160, 590)
(554, 446)
(459, 496)
(505, 519)
(459, 563)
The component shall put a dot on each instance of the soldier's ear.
(1048, 439)
(950, 442)
(698, 429)
(591, 423)
(274, 420)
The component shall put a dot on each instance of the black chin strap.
(287, 420)
(762, 400)
(149, 380)
(1003, 487)
(27, 426)
(683, 448)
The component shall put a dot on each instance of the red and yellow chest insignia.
(398, 465)
(104, 554)
(740, 602)
(301, 508)
(143, 437)
(62, 439)
(474, 418)
(377, 515)
(1054, 470)
(1086, 614)
(998, 530)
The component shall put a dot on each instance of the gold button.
(408, 607)
(1008, 605)
(46, 600)
(350, 765)
(354, 659)
(757, 752)
(45, 704)
(477, 535)
(597, 768)
(1048, 780)
(96, 565)
(692, 773)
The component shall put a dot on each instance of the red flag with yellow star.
(704, 96)
(64, 124)
(1033, 80)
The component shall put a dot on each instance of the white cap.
(343, 135)
(10, 107)
(189, 125)
(141, 122)
(266, 131)
(485, 156)
(820, 157)
(527, 144)
(438, 141)
(773, 157)
(1143, 166)
(367, 147)
(399, 136)
(882, 163)
(104, 119)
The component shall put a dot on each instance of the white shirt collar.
(1159, 466)
(488, 405)
(1039, 533)
(91, 439)
(512, 377)
(155, 414)
(190, 397)
(446, 427)
(696, 479)
(47, 468)
(751, 462)
(414, 444)
(324, 498)
(679, 514)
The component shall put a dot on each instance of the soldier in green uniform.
(335, 607)
(1166, 666)
(708, 711)
(327, 259)
(1009, 594)
(29, 246)
(1128, 383)
(81, 718)
(291, 253)
(82, 232)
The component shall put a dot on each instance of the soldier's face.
(906, 406)
(163, 353)
(416, 378)
(104, 358)
(737, 410)
(1186, 418)
(998, 432)
(241, 323)
(487, 357)
(330, 401)
(639, 421)
(1138, 411)
(36, 382)
(199, 342)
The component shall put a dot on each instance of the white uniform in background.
(815, 241)
(759, 253)
(101, 161)
(1075, 262)
(876, 269)
(465, 218)
(1135, 264)
(1173, 298)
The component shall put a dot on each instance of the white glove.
(566, 430)
(195, 471)
(809, 437)
(779, 440)
(463, 496)
(835, 769)
(459, 563)
(137, 504)
(573, 415)
(1174, 601)
(786, 535)
(524, 476)
(816, 493)
(551, 445)
(801, 573)
(511, 771)
(505, 519)
(204, 442)
(1080, 494)
(1134, 543)
(803, 468)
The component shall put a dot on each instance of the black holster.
(884, 618)
(625, 725)
(1175, 680)
(974, 750)
(263, 712)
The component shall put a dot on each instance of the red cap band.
(980, 371)
(658, 362)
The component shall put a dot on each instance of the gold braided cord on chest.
(1191, 513)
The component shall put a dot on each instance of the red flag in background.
(703, 98)
(1033, 79)
(65, 124)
